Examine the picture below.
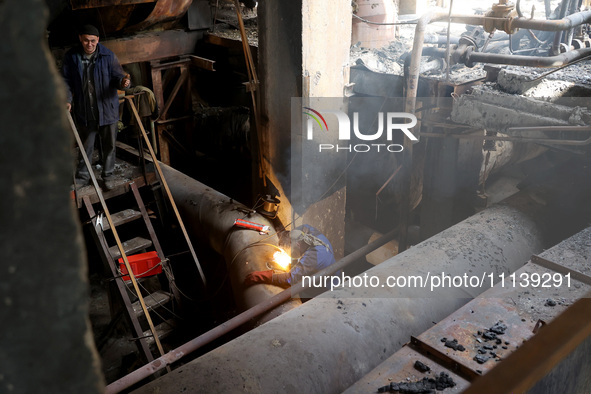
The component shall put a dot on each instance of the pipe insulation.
(210, 215)
(333, 340)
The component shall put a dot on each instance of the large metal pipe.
(224, 328)
(331, 341)
(210, 215)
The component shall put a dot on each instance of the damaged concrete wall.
(326, 45)
(45, 342)
(303, 57)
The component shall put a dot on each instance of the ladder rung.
(163, 330)
(152, 301)
(130, 247)
(122, 217)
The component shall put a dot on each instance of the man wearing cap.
(93, 75)
(316, 254)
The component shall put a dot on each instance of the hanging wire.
(409, 22)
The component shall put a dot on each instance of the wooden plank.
(132, 246)
(125, 149)
(86, 4)
(119, 218)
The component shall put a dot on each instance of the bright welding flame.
(282, 259)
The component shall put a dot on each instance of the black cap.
(90, 30)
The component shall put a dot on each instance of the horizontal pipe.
(224, 328)
(337, 338)
(565, 23)
(530, 61)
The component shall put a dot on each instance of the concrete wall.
(45, 342)
(306, 57)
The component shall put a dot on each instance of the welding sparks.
(282, 259)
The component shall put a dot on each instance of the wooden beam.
(147, 46)
(202, 63)
(85, 4)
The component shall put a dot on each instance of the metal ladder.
(133, 311)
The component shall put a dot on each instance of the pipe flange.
(465, 57)
(578, 44)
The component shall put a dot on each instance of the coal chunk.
(454, 345)
(481, 359)
(550, 302)
(498, 328)
(488, 335)
(424, 386)
(421, 367)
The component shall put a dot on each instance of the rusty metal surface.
(164, 10)
(464, 325)
(400, 368)
(515, 305)
(531, 364)
(86, 4)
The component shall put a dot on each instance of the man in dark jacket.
(316, 254)
(93, 75)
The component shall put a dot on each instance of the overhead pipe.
(210, 215)
(337, 338)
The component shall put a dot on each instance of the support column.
(45, 340)
(298, 60)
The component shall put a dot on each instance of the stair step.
(153, 301)
(130, 247)
(163, 330)
(122, 217)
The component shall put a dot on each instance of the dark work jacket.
(314, 259)
(107, 79)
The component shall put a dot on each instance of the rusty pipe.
(210, 215)
(566, 23)
(472, 57)
(224, 328)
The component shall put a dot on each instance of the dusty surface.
(227, 25)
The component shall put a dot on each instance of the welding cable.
(155, 300)
(559, 68)
(518, 8)
(409, 22)
(160, 304)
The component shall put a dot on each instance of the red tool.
(251, 225)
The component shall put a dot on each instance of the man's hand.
(69, 107)
(126, 81)
(259, 277)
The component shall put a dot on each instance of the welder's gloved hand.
(259, 277)
(282, 279)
